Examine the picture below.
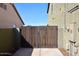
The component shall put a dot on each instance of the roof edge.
(48, 7)
(17, 13)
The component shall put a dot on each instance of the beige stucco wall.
(54, 19)
(70, 19)
(64, 21)
(55, 16)
(9, 17)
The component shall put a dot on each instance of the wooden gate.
(41, 36)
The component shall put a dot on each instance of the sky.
(34, 14)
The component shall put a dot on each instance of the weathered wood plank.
(41, 36)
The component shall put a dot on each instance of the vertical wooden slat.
(36, 37)
(49, 37)
(28, 34)
(32, 36)
(23, 33)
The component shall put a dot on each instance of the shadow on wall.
(26, 48)
(24, 43)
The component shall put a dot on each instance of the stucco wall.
(9, 18)
(56, 19)
(64, 20)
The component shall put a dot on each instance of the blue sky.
(34, 14)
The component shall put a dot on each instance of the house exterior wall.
(56, 14)
(60, 17)
(54, 19)
(9, 17)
